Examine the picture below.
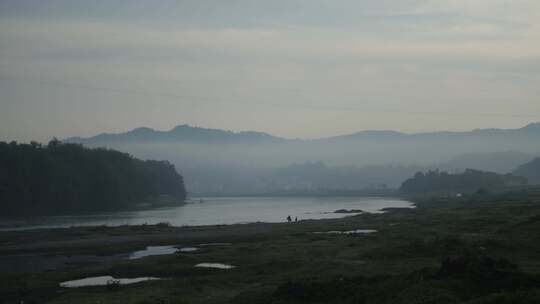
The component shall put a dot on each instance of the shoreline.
(160, 234)
(401, 244)
(131, 218)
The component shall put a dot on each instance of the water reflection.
(152, 250)
(103, 281)
(215, 265)
(217, 211)
(189, 249)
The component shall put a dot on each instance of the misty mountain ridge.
(219, 161)
(530, 170)
(197, 134)
(181, 133)
(528, 130)
(499, 162)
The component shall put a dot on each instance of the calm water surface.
(153, 250)
(215, 265)
(103, 281)
(212, 211)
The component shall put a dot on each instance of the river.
(219, 210)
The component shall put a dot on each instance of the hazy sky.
(294, 68)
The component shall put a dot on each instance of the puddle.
(188, 249)
(103, 281)
(215, 265)
(153, 250)
(357, 231)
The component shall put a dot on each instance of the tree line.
(468, 181)
(60, 178)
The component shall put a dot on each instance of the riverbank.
(216, 211)
(492, 246)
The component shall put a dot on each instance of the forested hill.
(468, 181)
(222, 162)
(63, 178)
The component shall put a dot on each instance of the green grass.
(287, 263)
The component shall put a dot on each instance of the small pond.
(103, 281)
(153, 250)
(215, 265)
(188, 249)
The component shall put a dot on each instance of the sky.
(292, 68)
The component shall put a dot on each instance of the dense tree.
(69, 178)
(468, 181)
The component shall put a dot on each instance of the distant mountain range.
(188, 133)
(221, 162)
(501, 162)
(182, 133)
(530, 170)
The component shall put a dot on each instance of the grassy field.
(477, 249)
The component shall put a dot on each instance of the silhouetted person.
(289, 219)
